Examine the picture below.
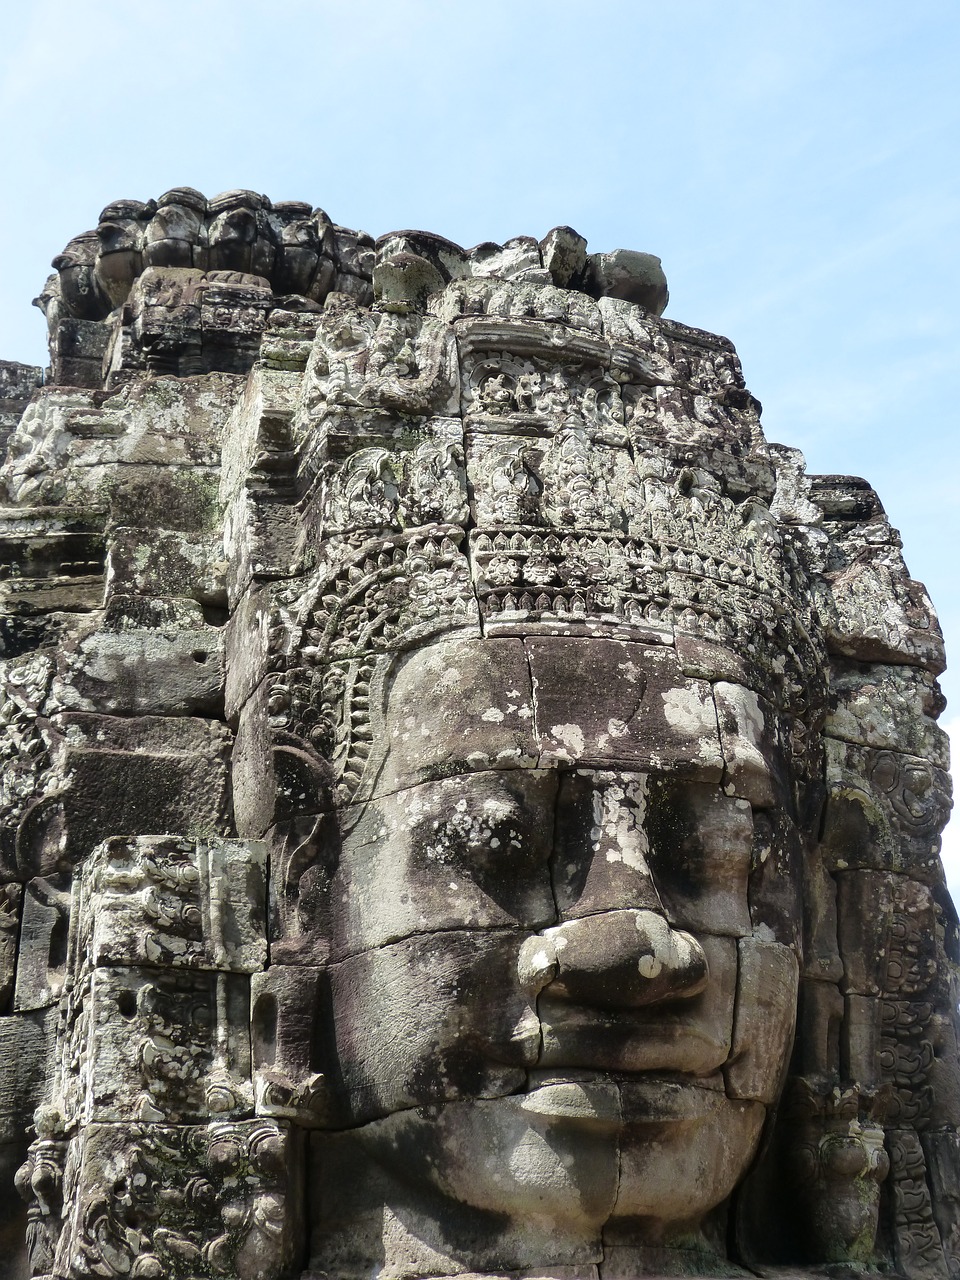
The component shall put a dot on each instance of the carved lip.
(600, 1098)
(622, 1044)
(595, 1102)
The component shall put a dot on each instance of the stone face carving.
(469, 803)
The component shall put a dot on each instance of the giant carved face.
(564, 971)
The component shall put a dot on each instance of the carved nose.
(621, 959)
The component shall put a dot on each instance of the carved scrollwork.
(179, 1202)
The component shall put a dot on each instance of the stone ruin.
(471, 805)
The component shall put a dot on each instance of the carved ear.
(41, 838)
(303, 781)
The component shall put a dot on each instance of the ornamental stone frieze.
(470, 804)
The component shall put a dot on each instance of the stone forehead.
(564, 702)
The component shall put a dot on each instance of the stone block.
(707, 660)
(860, 1055)
(755, 764)
(887, 937)
(564, 254)
(632, 276)
(140, 774)
(18, 382)
(165, 1046)
(428, 1020)
(892, 708)
(224, 1197)
(287, 1006)
(885, 810)
(167, 563)
(603, 855)
(186, 904)
(42, 953)
(880, 614)
(26, 1052)
(821, 952)
(247, 644)
(176, 670)
(177, 498)
(126, 775)
(701, 844)
(468, 852)
(819, 1018)
(614, 704)
(776, 885)
(303, 858)
(517, 1198)
(764, 1021)
(682, 1149)
(275, 776)
(461, 704)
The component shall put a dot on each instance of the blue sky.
(795, 165)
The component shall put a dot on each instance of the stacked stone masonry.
(470, 804)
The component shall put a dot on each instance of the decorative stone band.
(397, 593)
(389, 595)
(632, 581)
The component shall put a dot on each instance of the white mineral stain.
(684, 709)
(571, 735)
(754, 716)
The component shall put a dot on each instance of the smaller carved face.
(560, 974)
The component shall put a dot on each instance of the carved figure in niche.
(340, 362)
(510, 489)
(40, 1182)
(435, 488)
(602, 405)
(364, 494)
(528, 391)
(496, 395)
(557, 397)
(573, 489)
